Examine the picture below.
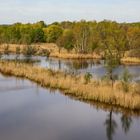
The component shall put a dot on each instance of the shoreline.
(75, 85)
(54, 52)
(94, 104)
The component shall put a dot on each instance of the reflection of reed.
(6, 89)
(108, 107)
(110, 123)
(95, 104)
(81, 64)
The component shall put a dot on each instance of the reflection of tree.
(77, 64)
(59, 64)
(111, 125)
(126, 122)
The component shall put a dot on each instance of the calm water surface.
(95, 67)
(29, 112)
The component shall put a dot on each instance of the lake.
(30, 112)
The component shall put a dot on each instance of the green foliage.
(87, 78)
(52, 33)
(126, 78)
(66, 40)
(38, 35)
(111, 62)
(22, 33)
(82, 36)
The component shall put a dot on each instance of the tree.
(81, 36)
(66, 40)
(133, 37)
(38, 35)
(108, 35)
(52, 33)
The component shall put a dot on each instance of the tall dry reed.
(75, 85)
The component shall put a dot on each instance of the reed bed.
(130, 60)
(67, 55)
(53, 50)
(100, 91)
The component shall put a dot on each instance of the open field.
(100, 91)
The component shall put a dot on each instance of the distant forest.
(83, 36)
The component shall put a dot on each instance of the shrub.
(125, 78)
(44, 52)
(6, 49)
(0, 55)
(29, 50)
(17, 50)
(87, 78)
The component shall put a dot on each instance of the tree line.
(83, 36)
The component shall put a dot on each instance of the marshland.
(65, 76)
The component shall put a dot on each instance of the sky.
(12, 11)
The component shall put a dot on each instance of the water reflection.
(111, 126)
(126, 122)
(37, 113)
(95, 67)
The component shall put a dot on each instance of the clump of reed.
(130, 60)
(68, 55)
(75, 85)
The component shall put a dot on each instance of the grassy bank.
(52, 50)
(75, 85)
(130, 60)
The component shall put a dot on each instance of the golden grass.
(130, 60)
(53, 49)
(75, 56)
(54, 52)
(75, 85)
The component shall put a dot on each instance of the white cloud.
(32, 11)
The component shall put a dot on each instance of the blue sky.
(12, 11)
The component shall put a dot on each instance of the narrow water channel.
(95, 67)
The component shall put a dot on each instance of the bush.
(125, 78)
(29, 50)
(0, 55)
(17, 50)
(6, 49)
(87, 78)
(44, 52)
